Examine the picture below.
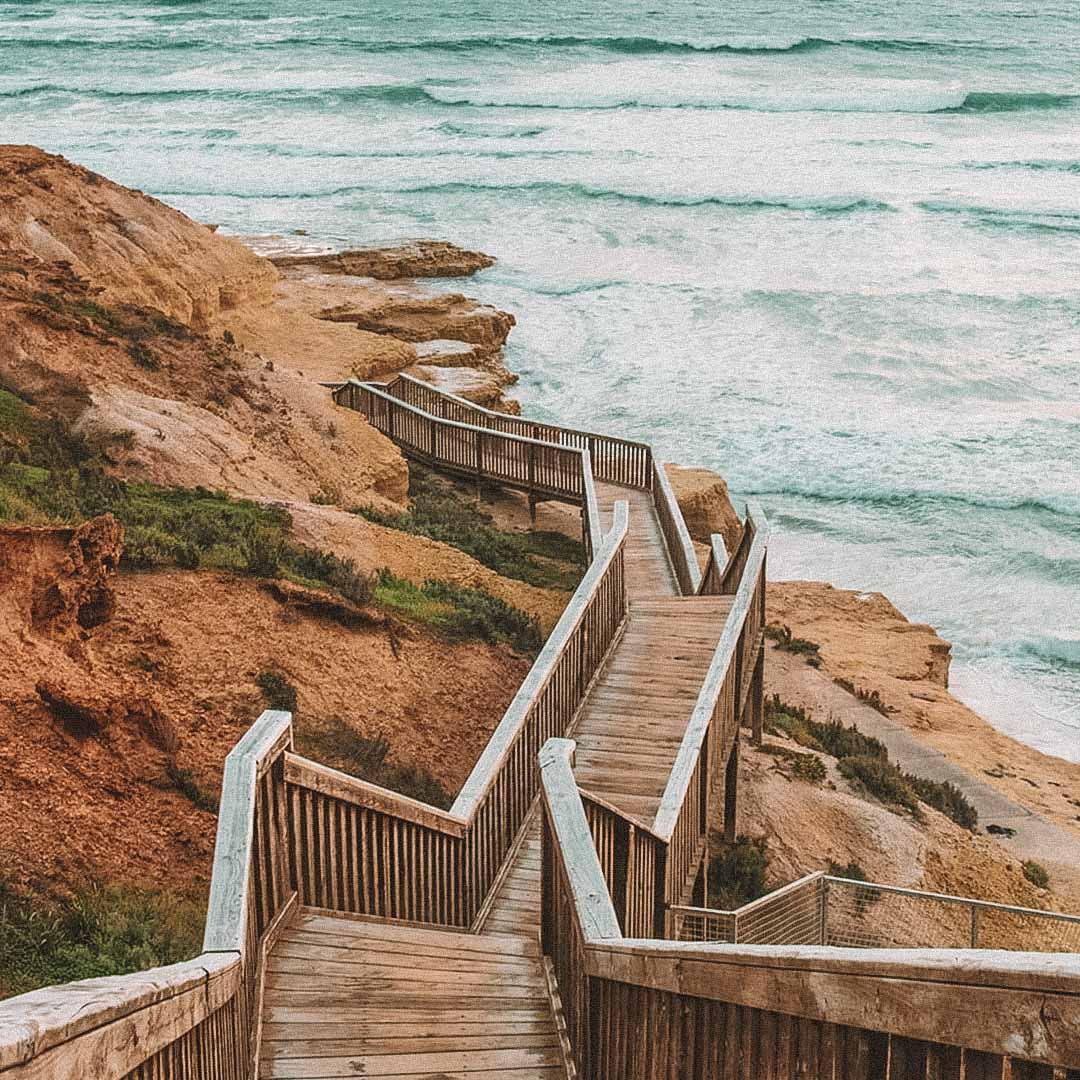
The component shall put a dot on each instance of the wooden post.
(731, 784)
(757, 698)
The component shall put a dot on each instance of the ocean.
(829, 248)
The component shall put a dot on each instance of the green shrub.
(341, 747)
(737, 872)
(340, 574)
(866, 760)
(806, 767)
(947, 798)
(277, 691)
(143, 357)
(1036, 873)
(786, 642)
(184, 781)
(442, 511)
(262, 549)
(852, 871)
(460, 612)
(882, 779)
(102, 930)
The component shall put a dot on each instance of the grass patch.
(806, 767)
(48, 473)
(737, 873)
(102, 930)
(184, 781)
(1036, 873)
(277, 691)
(787, 642)
(459, 612)
(441, 510)
(865, 760)
(341, 747)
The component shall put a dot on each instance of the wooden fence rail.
(616, 461)
(202, 1014)
(360, 848)
(639, 1009)
(544, 460)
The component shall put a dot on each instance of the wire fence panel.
(825, 910)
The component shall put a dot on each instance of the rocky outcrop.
(136, 249)
(412, 259)
(483, 386)
(429, 318)
(705, 504)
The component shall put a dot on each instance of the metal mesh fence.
(823, 910)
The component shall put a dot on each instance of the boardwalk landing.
(349, 997)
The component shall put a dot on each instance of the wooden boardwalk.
(356, 997)
(349, 997)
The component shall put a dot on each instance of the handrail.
(616, 460)
(540, 674)
(639, 1008)
(712, 575)
(611, 459)
(447, 861)
(541, 468)
(680, 547)
(112, 1026)
(722, 664)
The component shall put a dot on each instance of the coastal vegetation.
(865, 761)
(786, 641)
(52, 474)
(442, 509)
(98, 930)
(737, 872)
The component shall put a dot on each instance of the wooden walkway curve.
(355, 978)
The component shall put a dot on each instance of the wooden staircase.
(353, 997)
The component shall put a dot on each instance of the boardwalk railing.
(159, 1023)
(544, 460)
(293, 832)
(360, 848)
(821, 909)
(707, 761)
(614, 460)
(637, 1009)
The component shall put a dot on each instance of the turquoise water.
(829, 248)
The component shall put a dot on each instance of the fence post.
(974, 927)
(823, 928)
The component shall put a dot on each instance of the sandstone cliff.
(120, 695)
(705, 504)
(136, 249)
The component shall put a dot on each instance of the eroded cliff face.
(705, 504)
(136, 249)
(869, 646)
(122, 693)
